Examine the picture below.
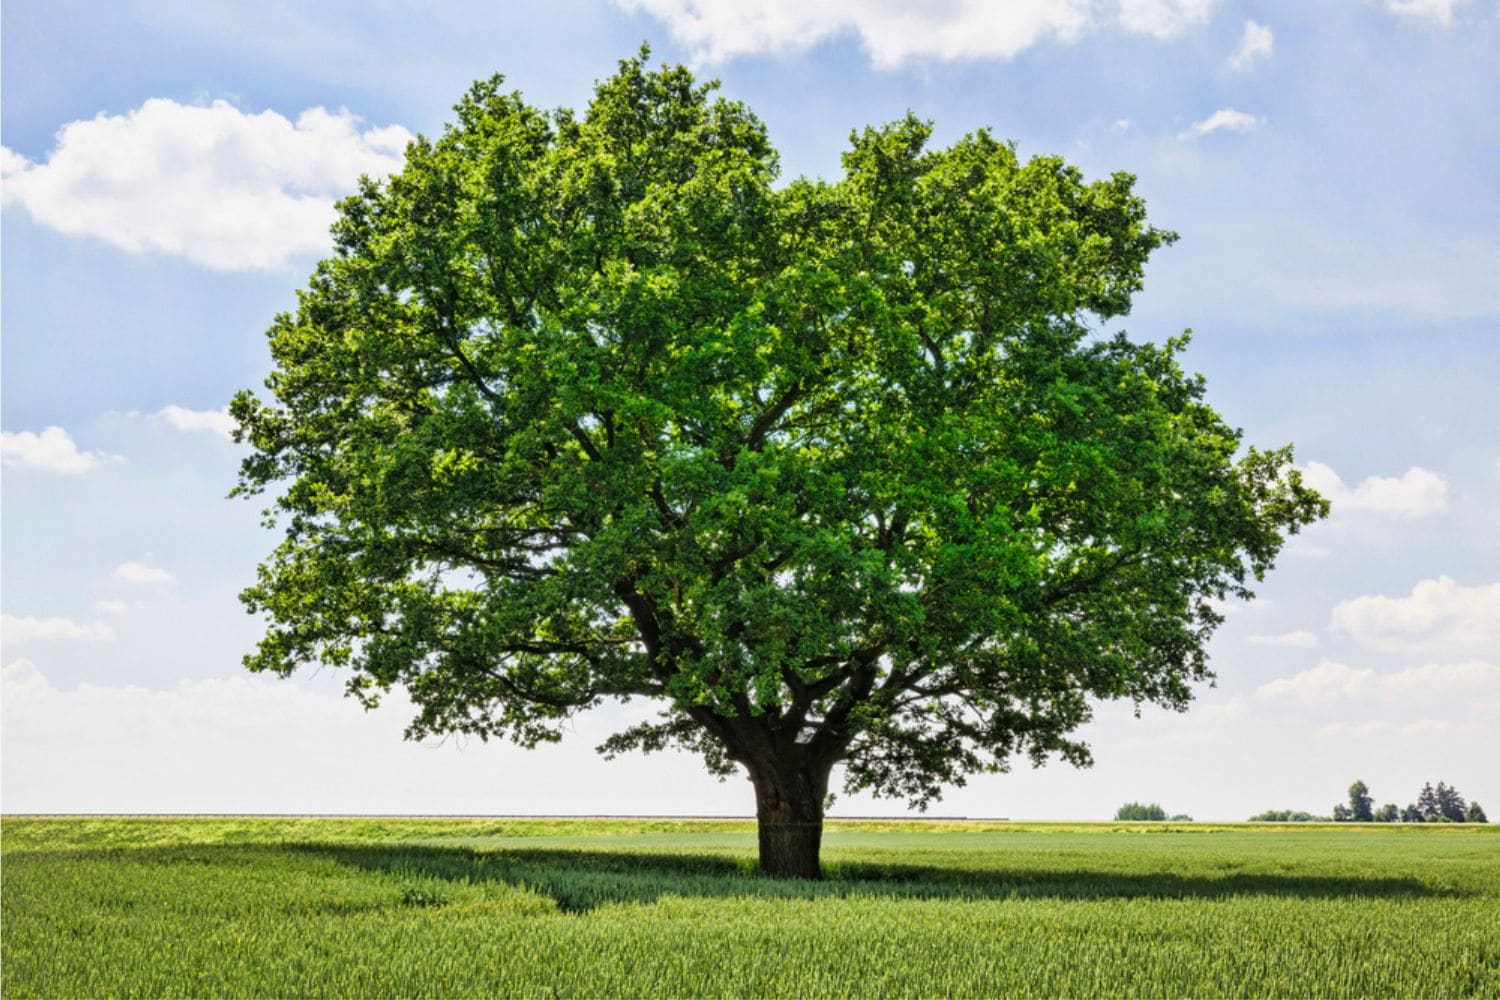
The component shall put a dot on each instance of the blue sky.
(1333, 170)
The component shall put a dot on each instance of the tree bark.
(789, 797)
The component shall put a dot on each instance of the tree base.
(789, 813)
(790, 850)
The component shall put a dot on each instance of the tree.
(1412, 814)
(588, 407)
(1136, 811)
(1427, 803)
(1388, 813)
(1361, 806)
(1450, 804)
(1475, 814)
(1341, 813)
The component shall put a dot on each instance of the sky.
(169, 169)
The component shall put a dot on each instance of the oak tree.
(839, 471)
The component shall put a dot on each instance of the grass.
(358, 907)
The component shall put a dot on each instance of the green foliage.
(548, 908)
(1388, 813)
(589, 406)
(1475, 814)
(1450, 804)
(1427, 803)
(1288, 816)
(1361, 805)
(1140, 811)
(1412, 814)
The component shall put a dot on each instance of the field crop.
(299, 907)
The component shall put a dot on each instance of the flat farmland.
(496, 907)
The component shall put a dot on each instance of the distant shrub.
(1139, 811)
(1286, 816)
(1182, 818)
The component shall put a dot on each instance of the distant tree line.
(1141, 810)
(1442, 804)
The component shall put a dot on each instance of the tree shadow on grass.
(581, 880)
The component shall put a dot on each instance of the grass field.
(294, 907)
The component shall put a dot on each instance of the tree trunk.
(789, 814)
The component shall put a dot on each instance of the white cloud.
(1256, 43)
(249, 744)
(21, 678)
(1300, 639)
(225, 189)
(182, 419)
(52, 450)
(113, 607)
(1413, 689)
(18, 629)
(1416, 493)
(896, 32)
(139, 574)
(1434, 11)
(1225, 120)
(1438, 617)
(1164, 18)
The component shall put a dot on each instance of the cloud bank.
(17, 630)
(1438, 617)
(895, 33)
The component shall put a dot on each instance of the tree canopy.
(594, 406)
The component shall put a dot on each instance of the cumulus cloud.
(53, 450)
(226, 189)
(895, 33)
(139, 574)
(1438, 12)
(182, 419)
(1223, 120)
(18, 629)
(1300, 639)
(1438, 617)
(1416, 493)
(1256, 43)
(1427, 685)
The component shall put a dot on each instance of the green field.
(356, 907)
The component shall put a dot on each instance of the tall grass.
(223, 907)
